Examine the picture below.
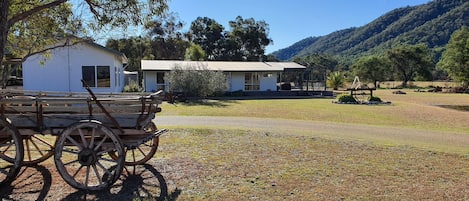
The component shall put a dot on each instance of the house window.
(251, 82)
(97, 76)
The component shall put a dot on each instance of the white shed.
(65, 67)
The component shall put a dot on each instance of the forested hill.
(431, 23)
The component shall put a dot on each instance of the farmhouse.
(241, 76)
(101, 68)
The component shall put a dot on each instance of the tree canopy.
(167, 38)
(251, 37)
(410, 61)
(455, 58)
(246, 41)
(209, 35)
(372, 68)
(35, 26)
(195, 53)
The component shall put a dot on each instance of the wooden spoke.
(145, 151)
(11, 151)
(92, 139)
(97, 173)
(83, 139)
(76, 172)
(37, 148)
(75, 143)
(91, 167)
(100, 143)
(71, 162)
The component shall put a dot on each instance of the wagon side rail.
(40, 113)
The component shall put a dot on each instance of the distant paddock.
(420, 84)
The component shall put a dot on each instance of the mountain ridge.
(431, 23)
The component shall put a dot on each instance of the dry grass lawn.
(413, 110)
(246, 164)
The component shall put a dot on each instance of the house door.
(251, 82)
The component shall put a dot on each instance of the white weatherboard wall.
(268, 81)
(63, 70)
(237, 81)
(149, 79)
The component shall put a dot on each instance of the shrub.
(132, 87)
(196, 80)
(336, 80)
(374, 99)
(344, 98)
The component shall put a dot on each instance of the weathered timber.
(85, 128)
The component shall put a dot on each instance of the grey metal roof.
(226, 66)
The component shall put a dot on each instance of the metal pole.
(325, 79)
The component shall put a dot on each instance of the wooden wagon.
(90, 136)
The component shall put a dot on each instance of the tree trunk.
(404, 84)
(4, 6)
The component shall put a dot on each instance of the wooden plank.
(126, 120)
(75, 108)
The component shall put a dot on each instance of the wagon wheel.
(82, 159)
(140, 154)
(37, 148)
(11, 151)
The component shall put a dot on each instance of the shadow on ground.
(141, 182)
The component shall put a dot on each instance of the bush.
(196, 80)
(336, 80)
(375, 99)
(132, 87)
(344, 98)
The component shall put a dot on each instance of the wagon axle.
(87, 157)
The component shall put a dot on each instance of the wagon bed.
(95, 135)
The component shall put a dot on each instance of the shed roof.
(226, 66)
(120, 55)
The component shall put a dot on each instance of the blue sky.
(290, 20)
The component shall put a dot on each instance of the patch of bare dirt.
(43, 182)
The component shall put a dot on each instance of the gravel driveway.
(441, 141)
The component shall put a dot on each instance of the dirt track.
(432, 140)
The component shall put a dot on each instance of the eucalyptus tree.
(318, 64)
(135, 48)
(251, 36)
(372, 68)
(410, 61)
(35, 26)
(209, 35)
(195, 53)
(166, 37)
(455, 58)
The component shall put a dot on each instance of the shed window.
(88, 75)
(160, 84)
(97, 76)
(104, 76)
